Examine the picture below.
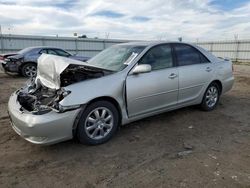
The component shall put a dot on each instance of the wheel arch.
(25, 63)
(102, 98)
(111, 100)
(218, 82)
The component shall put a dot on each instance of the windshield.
(116, 58)
(23, 51)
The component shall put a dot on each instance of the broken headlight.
(66, 108)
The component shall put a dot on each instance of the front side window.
(117, 57)
(188, 55)
(159, 57)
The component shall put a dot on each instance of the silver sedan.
(123, 83)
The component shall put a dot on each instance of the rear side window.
(62, 53)
(159, 57)
(51, 52)
(188, 55)
(43, 51)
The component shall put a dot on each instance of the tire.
(211, 97)
(96, 127)
(29, 70)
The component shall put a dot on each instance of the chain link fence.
(235, 50)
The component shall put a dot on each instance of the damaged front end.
(38, 99)
(44, 93)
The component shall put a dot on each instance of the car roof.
(43, 47)
(151, 43)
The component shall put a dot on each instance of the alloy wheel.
(99, 123)
(30, 70)
(212, 96)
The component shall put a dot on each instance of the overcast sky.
(128, 19)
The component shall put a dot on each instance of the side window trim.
(175, 62)
(199, 52)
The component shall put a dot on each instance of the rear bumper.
(227, 84)
(43, 129)
(2, 65)
(11, 67)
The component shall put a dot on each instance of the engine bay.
(39, 99)
(76, 73)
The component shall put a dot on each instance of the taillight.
(1, 58)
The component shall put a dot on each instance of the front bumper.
(43, 129)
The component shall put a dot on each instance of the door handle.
(172, 76)
(208, 69)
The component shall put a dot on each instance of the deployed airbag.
(50, 67)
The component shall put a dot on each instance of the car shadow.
(132, 133)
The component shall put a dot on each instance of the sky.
(128, 19)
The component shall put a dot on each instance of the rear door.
(195, 71)
(155, 90)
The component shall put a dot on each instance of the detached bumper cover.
(43, 129)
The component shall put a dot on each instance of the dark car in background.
(4, 56)
(24, 62)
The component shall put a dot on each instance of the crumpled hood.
(50, 67)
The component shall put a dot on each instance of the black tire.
(205, 104)
(29, 70)
(86, 137)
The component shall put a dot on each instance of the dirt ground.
(183, 148)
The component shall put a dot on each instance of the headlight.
(61, 108)
(67, 108)
(65, 93)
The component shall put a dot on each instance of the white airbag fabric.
(50, 67)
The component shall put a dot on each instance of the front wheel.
(211, 97)
(98, 123)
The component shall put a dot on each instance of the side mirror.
(143, 68)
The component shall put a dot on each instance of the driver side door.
(155, 90)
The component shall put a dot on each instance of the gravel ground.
(183, 148)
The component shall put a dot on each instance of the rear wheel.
(98, 123)
(211, 97)
(29, 70)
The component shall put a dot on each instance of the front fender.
(85, 91)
